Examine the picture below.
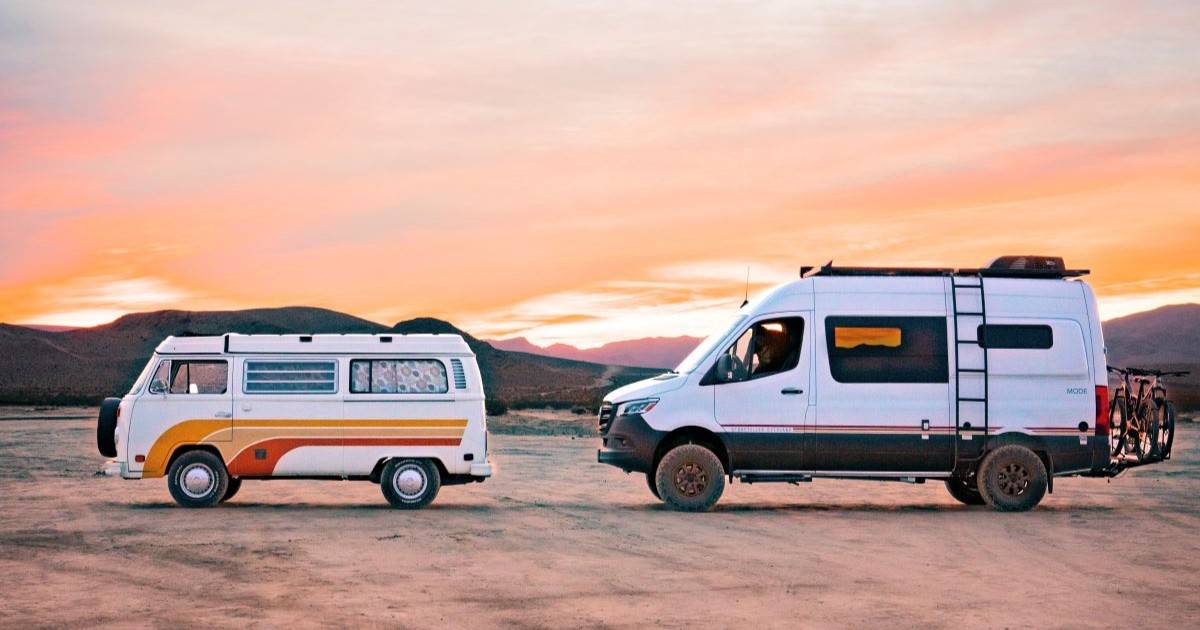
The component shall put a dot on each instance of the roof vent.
(305, 338)
(385, 340)
(1029, 263)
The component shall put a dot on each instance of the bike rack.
(1118, 467)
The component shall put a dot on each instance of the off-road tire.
(965, 491)
(690, 478)
(235, 484)
(1012, 478)
(106, 426)
(202, 463)
(653, 485)
(395, 474)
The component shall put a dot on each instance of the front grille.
(605, 418)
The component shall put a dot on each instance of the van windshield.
(693, 359)
(141, 379)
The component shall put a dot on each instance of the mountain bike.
(1142, 423)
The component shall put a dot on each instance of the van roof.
(233, 343)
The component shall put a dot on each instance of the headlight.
(637, 406)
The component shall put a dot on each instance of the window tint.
(290, 377)
(199, 377)
(1015, 337)
(398, 376)
(766, 348)
(887, 349)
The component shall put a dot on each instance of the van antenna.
(747, 298)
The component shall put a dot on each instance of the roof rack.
(1043, 267)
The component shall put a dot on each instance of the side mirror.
(158, 386)
(724, 368)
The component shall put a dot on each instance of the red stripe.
(245, 464)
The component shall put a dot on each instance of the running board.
(798, 476)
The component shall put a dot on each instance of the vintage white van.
(993, 380)
(403, 411)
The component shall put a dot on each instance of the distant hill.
(651, 352)
(87, 364)
(1165, 338)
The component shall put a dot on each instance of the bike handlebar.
(1133, 371)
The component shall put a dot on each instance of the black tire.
(106, 427)
(653, 485)
(235, 484)
(1166, 429)
(410, 484)
(1012, 478)
(965, 491)
(1117, 424)
(690, 478)
(197, 479)
(1148, 433)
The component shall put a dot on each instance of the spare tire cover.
(106, 426)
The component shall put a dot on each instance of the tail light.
(1102, 428)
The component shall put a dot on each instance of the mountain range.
(86, 364)
(651, 352)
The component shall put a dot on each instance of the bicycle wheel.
(1116, 426)
(1147, 432)
(1166, 429)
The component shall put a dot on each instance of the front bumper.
(114, 468)
(628, 443)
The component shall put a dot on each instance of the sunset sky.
(582, 172)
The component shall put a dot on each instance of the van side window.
(1015, 337)
(768, 347)
(887, 349)
(398, 376)
(290, 377)
(199, 377)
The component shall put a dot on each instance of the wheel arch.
(691, 435)
(187, 448)
(377, 470)
(1033, 443)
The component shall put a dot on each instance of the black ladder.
(978, 364)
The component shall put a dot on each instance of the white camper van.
(403, 411)
(993, 380)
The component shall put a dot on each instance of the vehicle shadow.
(302, 506)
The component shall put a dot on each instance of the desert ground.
(557, 540)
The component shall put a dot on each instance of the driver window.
(768, 347)
(199, 377)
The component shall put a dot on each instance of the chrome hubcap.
(197, 480)
(409, 481)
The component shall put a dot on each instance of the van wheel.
(1012, 479)
(197, 479)
(965, 491)
(690, 478)
(653, 485)
(235, 484)
(410, 483)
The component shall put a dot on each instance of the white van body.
(851, 403)
(307, 406)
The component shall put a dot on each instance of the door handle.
(223, 414)
(791, 391)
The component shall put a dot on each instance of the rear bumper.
(482, 469)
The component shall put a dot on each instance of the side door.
(188, 401)
(884, 383)
(761, 393)
(288, 418)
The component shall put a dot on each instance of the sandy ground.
(558, 540)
